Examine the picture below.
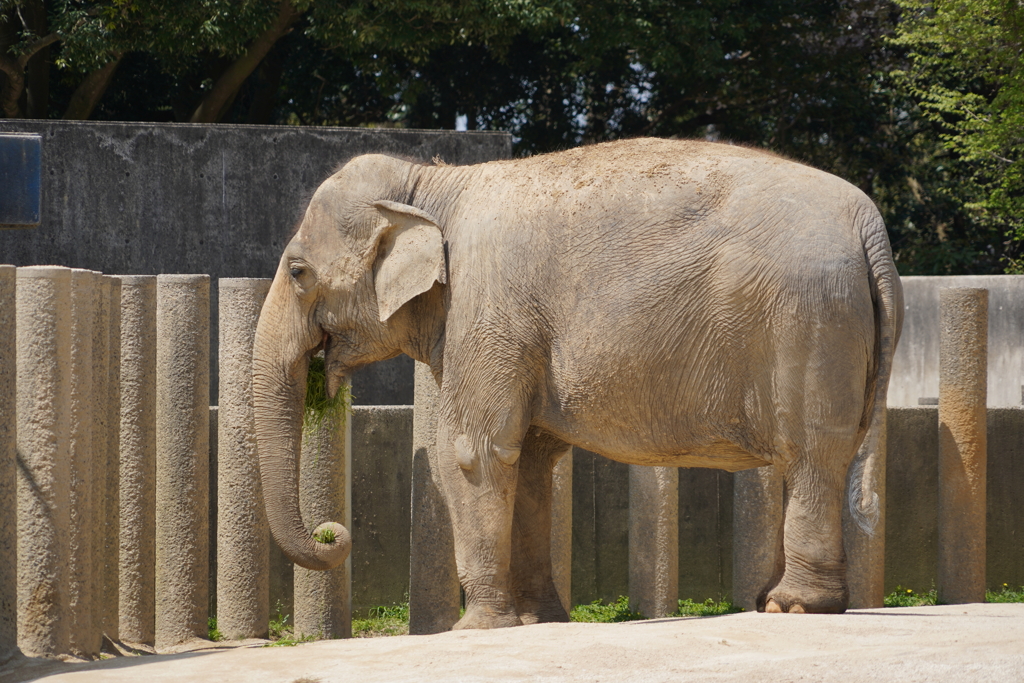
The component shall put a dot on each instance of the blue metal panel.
(20, 179)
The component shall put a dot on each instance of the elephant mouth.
(336, 371)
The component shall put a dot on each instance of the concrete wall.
(151, 198)
(600, 542)
(916, 365)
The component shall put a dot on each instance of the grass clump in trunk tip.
(324, 536)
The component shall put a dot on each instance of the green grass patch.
(1005, 594)
(598, 612)
(906, 597)
(383, 621)
(708, 608)
(212, 632)
(280, 631)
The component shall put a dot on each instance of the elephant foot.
(803, 600)
(546, 612)
(486, 617)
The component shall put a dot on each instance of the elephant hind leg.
(811, 572)
(533, 587)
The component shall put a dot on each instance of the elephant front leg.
(532, 584)
(479, 481)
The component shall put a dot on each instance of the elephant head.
(358, 281)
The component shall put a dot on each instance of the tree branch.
(214, 105)
(15, 70)
(90, 91)
(35, 47)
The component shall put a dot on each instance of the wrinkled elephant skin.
(671, 303)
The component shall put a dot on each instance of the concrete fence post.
(8, 467)
(757, 532)
(654, 540)
(963, 455)
(561, 529)
(106, 440)
(323, 599)
(243, 536)
(865, 553)
(137, 448)
(433, 581)
(182, 458)
(44, 474)
(85, 636)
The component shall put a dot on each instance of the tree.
(967, 72)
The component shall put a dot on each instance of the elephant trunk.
(279, 388)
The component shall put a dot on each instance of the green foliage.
(708, 608)
(906, 597)
(383, 621)
(1005, 594)
(281, 633)
(320, 408)
(600, 613)
(920, 104)
(324, 536)
(278, 622)
(967, 74)
(213, 633)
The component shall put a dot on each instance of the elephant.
(674, 303)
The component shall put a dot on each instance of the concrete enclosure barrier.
(243, 536)
(44, 473)
(963, 451)
(182, 458)
(8, 467)
(127, 356)
(137, 556)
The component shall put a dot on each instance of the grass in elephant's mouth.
(319, 407)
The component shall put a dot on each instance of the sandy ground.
(948, 644)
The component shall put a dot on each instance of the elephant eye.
(296, 272)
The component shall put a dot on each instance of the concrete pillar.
(182, 458)
(137, 502)
(44, 473)
(8, 468)
(323, 599)
(243, 536)
(757, 532)
(963, 367)
(106, 437)
(434, 597)
(84, 628)
(561, 529)
(654, 540)
(865, 552)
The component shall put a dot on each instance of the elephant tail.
(887, 296)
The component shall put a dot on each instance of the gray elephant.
(671, 303)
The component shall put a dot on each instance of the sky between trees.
(920, 103)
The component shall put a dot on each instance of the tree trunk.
(14, 70)
(36, 103)
(216, 103)
(90, 91)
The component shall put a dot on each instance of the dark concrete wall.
(381, 505)
(150, 198)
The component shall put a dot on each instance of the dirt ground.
(951, 644)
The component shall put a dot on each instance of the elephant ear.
(410, 256)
